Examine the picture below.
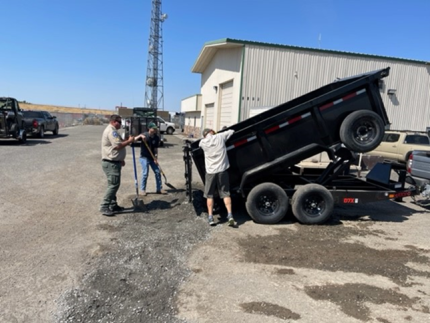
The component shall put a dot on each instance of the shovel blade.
(138, 204)
(169, 185)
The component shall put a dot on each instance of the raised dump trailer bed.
(264, 150)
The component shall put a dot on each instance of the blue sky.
(93, 53)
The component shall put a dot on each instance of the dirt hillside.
(57, 108)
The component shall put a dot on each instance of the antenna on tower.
(154, 92)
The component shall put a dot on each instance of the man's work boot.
(117, 208)
(107, 212)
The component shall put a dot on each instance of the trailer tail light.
(409, 163)
(35, 124)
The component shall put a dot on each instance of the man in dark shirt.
(150, 140)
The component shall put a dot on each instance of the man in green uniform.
(113, 156)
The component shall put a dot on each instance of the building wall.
(192, 103)
(225, 67)
(193, 124)
(274, 75)
(192, 107)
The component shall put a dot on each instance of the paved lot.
(63, 262)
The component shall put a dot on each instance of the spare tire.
(267, 203)
(362, 131)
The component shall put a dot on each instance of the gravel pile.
(136, 278)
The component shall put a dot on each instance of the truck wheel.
(41, 132)
(312, 204)
(170, 131)
(267, 203)
(55, 132)
(23, 138)
(362, 131)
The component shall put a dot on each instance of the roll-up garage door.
(210, 116)
(226, 106)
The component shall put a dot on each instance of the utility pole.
(154, 92)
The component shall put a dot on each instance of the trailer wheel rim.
(365, 132)
(314, 205)
(267, 204)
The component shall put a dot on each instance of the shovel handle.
(150, 151)
(153, 157)
(134, 167)
(159, 167)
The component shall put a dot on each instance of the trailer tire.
(312, 204)
(267, 203)
(362, 131)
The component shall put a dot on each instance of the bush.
(92, 121)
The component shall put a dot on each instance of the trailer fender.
(267, 203)
(362, 131)
(312, 204)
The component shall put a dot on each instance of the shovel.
(137, 203)
(159, 167)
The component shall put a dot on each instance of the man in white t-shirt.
(217, 163)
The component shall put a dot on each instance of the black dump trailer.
(342, 118)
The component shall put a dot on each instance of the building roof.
(210, 48)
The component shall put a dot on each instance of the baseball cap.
(152, 126)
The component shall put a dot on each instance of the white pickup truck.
(165, 126)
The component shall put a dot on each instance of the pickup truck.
(38, 122)
(165, 126)
(398, 145)
(342, 118)
(418, 168)
(11, 120)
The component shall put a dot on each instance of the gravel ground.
(64, 262)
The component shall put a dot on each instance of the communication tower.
(154, 92)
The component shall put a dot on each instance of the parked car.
(38, 122)
(165, 126)
(418, 168)
(398, 145)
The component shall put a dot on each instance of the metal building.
(238, 76)
(192, 108)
